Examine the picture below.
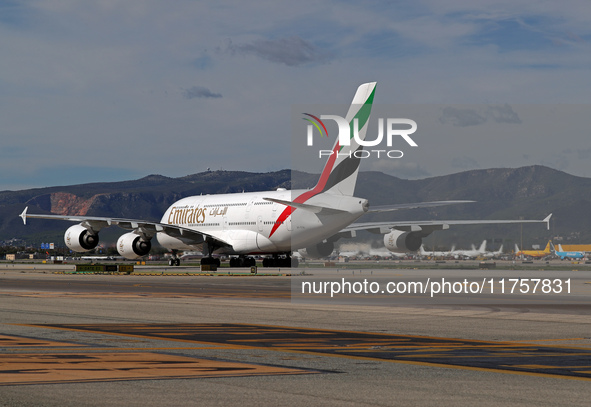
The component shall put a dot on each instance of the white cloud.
(290, 51)
(200, 92)
(461, 117)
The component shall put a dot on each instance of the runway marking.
(55, 294)
(7, 341)
(553, 340)
(550, 367)
(506, 357)
(45, 368)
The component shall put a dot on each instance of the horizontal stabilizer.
(395, 207)
(307, 207)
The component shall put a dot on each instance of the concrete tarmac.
(110, 340)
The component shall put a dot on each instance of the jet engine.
(320, 250)
(131, 246)
(401, 242)
(80, 239)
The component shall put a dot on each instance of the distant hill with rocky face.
(530, 192)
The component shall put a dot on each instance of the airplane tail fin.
(339, 175)
(482, 248)
(547, 249)
(560, 248)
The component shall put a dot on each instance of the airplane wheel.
(171, 262)
(217, 262)
(177, 262)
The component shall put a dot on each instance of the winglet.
(24, 215)
(547, 220)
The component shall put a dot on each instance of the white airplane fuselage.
(253, 225)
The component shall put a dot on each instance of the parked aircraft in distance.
(435, 253)
(273, 223)
(384, 253)
(362, 251)
(349, 253)
(471, 253)
(567, 255)
(534, 253)
(191, 255)
(493, 253)
(98, 258)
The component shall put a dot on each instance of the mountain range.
(501, 193)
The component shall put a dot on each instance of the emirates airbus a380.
(245, 224)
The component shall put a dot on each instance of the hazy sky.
(113, 90)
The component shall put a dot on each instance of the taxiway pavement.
(110, 340)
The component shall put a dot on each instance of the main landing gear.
(175, 261)
(210, 261)
(205, 261)
(242, 261)
(276, 261)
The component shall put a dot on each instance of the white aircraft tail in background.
(471, 253)
(494, 253)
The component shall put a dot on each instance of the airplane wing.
(147, 228)
(388, 208)
(428, 227)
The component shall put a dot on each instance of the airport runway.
(185, 340)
